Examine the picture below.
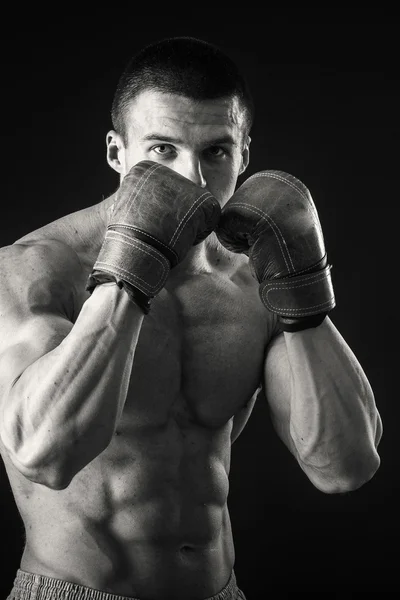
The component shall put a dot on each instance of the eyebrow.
(226, 139)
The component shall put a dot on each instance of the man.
(137, 334)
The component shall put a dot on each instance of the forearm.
(334, 423)
(63, 409)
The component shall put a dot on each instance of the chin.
(223, 201)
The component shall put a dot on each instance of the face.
(203, 141)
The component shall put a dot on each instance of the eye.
(163, 149)
(216, 151)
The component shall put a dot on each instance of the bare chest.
(200, 353)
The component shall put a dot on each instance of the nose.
(191, 169)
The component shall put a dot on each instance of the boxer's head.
(183, 102)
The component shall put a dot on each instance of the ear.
(115, 151)
(245, 155)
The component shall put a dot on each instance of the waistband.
(31, 586)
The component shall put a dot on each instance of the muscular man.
(137, 333)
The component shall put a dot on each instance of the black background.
(327, 99)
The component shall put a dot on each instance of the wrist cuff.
(135, 295)
(290, 325)
(299, 296)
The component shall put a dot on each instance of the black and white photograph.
(198, 318)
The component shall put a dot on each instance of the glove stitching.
(278, 287)
(141, 182)
(267, 218)
(282, 179)
(319, 275)
(325, 304)
(314, 277)
(187, 216)
(308, 310)
(133, 228)
(327, 267)
(137, 245)
(290, 184)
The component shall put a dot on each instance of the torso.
(148, 517)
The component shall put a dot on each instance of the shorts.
(30, 586)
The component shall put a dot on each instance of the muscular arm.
(63, 384)
(323, 408)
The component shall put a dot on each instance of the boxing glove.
(272, 218)
(158, 216)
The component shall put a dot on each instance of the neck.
(209, 257)
(104, 209)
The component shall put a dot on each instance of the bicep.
(277, 387)
(30, 341)
(34, 316)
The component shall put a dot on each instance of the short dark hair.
(185, 66)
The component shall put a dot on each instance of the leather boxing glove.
(272, 218)
(158, 216)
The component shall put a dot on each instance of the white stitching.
(290, 184)
(133, 228)
(143, 180)
(281, 178)
(139, 245)
(267, 218)
(281, 286)
(292, 311)
(132, 242)
(195, 206)
(146, 176)
(140, 182)
(320, 274)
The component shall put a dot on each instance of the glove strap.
(136, 296)
(133, 265)
(302, 301)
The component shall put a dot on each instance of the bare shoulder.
(46, 270)
(37, 255)
(39, 276)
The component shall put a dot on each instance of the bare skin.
(116, 428)
(149, 515)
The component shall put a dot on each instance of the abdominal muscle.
(145, 519)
